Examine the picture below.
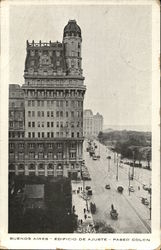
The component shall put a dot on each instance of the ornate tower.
(72, 48)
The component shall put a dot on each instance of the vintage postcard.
(80, 125)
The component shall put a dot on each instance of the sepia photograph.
(80, 132)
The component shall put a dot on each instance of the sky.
(116, 54)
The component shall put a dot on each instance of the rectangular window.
(38, 124)
(77, 134)
(66, 113)
(48, 124)
(61, 103)
(57, 103)
(57, 134)
(48, 114)
(38, 103)
(33, 124)
(57, 113)
(67, 103)
(60, 156)
(73, 155)
(31, 145)
(61, 134)
(21, 156)
(72, 103)
(11, 124)
(57, 124)
(61, 124)
(33, 113)
(29, 103)
(33, 134)
(38, 113)
(50, 146)
(38, 134)
(41, 156)
(52, 124)
(72, 113)
(72, 134)
(33, 103)
(29, 135)
(31, 155)
(59, 145)
(29, 113)
(52, 134)
(48, 103)
(11, 145)
(29, 124)
(42, 103)
(52, 114)
(48, 134)
(61, 113)
(11, 156)
(42, 134)
(50, 156)
(40, 145)
(42, 113)
(42, 124)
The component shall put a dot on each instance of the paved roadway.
(133, 215)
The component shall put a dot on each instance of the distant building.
(93, 124)
(46, 113)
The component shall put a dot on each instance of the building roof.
(34, 191)
(72, 28)
(88, 112)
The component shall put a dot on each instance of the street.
(133, 216)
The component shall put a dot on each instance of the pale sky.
(116, 54)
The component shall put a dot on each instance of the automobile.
(88, 187)
(94, 157)
(145, 187)
(120, 189)
(108, 186)
(98, 156)
(145, 201)
(89, 192)
(131, 189)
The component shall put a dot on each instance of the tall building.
(53, 94)
(93, 124)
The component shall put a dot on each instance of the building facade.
(53, 94)
(93, 124)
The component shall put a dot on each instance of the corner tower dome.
(72, 29)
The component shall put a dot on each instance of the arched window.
(31, 167)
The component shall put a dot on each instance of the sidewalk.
(82, 209)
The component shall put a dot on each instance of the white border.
(154, 237)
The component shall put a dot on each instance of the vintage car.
(120, 189)
(108, 186)
(131, 188)
(145, 201)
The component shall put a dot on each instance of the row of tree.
(130, 144)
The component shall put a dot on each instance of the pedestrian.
(81, 221)
(85, 216)
(112, 207)
(84, 210)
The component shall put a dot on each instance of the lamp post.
(109, 158)
(133, 152)
(150, 190)
(129, 179)
(117, 163)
